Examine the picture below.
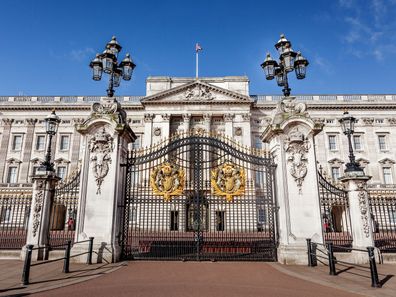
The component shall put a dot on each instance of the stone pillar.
(186, 122)
(165, 125)
(39, 219)
(291, 142)
(228, 126)
(246, 130)
(106, 136)
(4, 146)
(76, 144)
(27, 151)
(361, 223)
(148, 129)
(207, 119)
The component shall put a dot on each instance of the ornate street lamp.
(348, 124)
(51, 127)
(107, 63)
(289, 60)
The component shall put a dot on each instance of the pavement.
(173, 279)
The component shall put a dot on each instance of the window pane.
(40, 142)
(61, 171)
(332, 142)
(387, 175)
(64, 142)
(137, 142)
(382, 142)
(174, 226)
(335, 172)
(17, 143)
(356, 142)
(12, 175)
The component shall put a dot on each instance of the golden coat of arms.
(167, 180)
(228, 180)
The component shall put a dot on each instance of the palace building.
(210, 169)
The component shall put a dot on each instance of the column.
(4, 146)
(27, 151)
(359, 210)
(290, 138)
(44, 183)
(228, 126)
(186, 122)
(207, 120)
(246, 130)
(165, 125)
(75, 154)
(148, 129)
(106, 136)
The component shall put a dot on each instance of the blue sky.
(46, 46)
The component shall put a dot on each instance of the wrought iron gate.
(199, 197)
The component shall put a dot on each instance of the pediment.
(197, 92)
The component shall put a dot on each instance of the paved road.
(190, 279)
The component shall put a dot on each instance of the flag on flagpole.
(198, 47)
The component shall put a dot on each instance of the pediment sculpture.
(198, 93)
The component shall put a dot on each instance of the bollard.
(26, 265)
(90, 247)
(309, 252)
(331, 259)
(67, 257)
(373, 268)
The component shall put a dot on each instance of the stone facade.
(212, 104)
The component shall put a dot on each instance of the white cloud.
(81, 54)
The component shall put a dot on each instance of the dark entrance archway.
(199, 197)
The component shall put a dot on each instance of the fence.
(383, 216)
(66, 259)
(64, 210)
(327, 251)
(334, 207)
(14, 217)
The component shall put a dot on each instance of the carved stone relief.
(148, 117)
(296, 147)
(368, 121)
(100, 146)
(363, 208)
(198, 93)
(157, 131)
(38, 206)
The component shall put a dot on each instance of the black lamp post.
(107, 63)
(289, 60)
(348, 124)
(51, 127)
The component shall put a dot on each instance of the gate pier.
(106, 136)
(290, 137)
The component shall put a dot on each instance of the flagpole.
(196, 64)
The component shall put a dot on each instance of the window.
(335, 173)
(64, 142)
(5, 215)
(220, 220)
(174, 224)
(40, 142)
(17, 143)
(262, 216)
(61, 171)
(34, 170)
(258, 143)
(132, 214)
(357, 143)
(137, 142)
(332, 143)
(387, 172)
(392, 217)
(12, 175)
(382, 142)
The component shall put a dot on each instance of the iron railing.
(14, 217)
(197, 224)
(383, 218)
(64, 210)
(334, 208)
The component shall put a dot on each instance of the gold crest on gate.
(167, 180)
(228, 180)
